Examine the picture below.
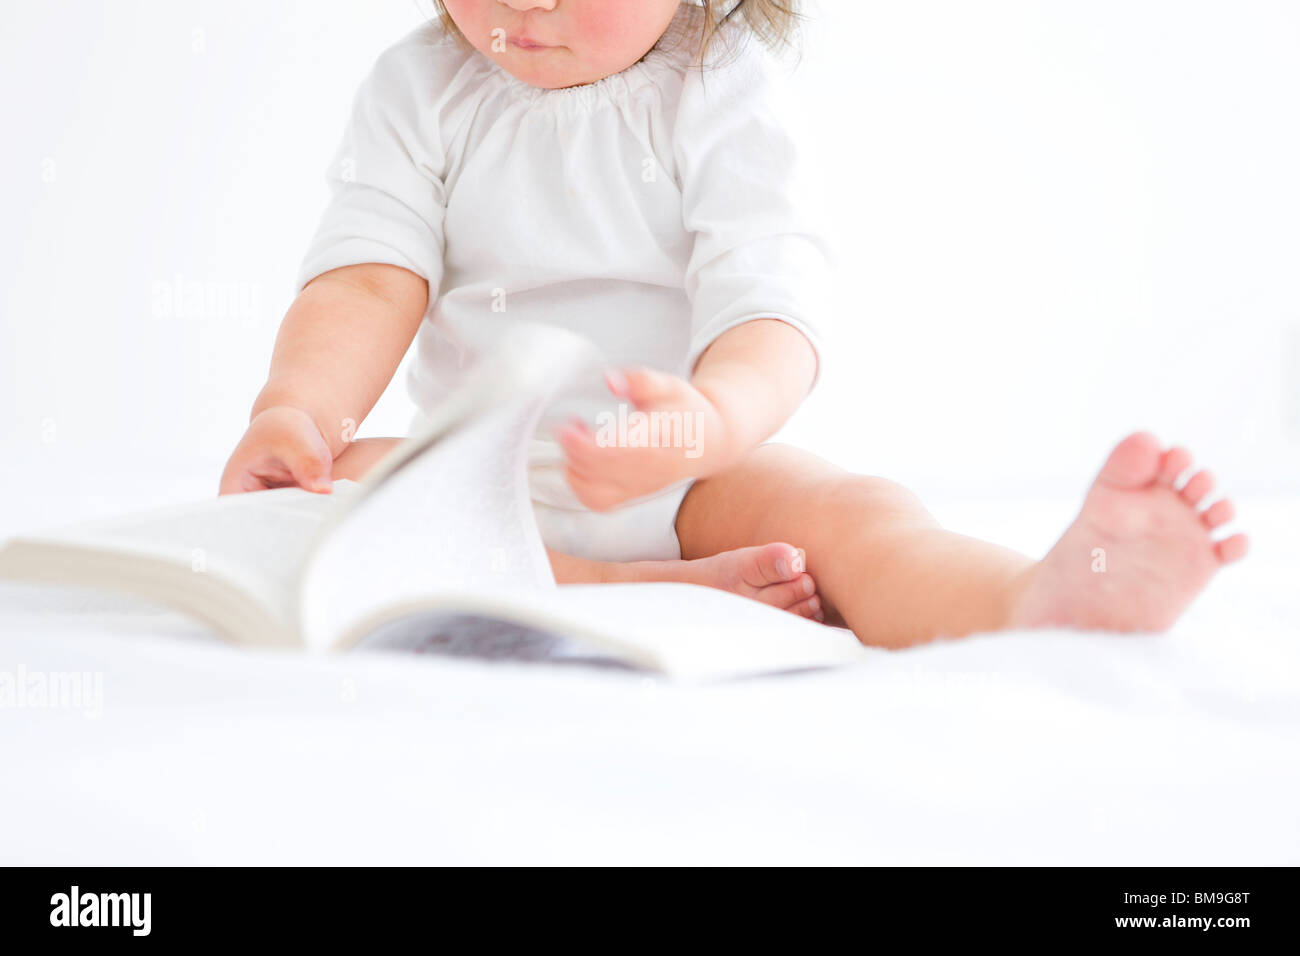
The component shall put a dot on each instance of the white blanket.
(1037, 747)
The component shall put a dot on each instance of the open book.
(436, 548)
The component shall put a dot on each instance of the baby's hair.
(775, 22)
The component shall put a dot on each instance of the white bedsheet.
(1049, 747)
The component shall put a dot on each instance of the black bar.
(333, 906)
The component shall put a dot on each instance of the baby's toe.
(811, 608)
(1219, 513)
(1134, 462)
(1232, 549)
(788, 593)
(1197, 487)
(1176, 461)
(773, 564)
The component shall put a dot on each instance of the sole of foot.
(1140, 550)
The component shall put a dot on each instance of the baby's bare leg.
(361, 455)
(886, 568)
(772, 573)
(883, 565)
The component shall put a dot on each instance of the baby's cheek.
(620, 30)
(472, 18)
(602, 19)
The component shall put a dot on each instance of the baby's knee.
(798, 475)
(874, 502)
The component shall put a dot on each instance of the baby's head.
(559, 43)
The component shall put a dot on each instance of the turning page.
(449, 514)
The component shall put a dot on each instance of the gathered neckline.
(684, 22)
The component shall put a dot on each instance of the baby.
(619, 169)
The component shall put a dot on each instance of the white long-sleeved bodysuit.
(650, 212)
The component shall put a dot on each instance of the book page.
(450, 513)
(696, 633)
(686, 631)
(257, 542)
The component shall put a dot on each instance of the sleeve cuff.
(346, 237)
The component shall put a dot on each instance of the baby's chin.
(554, 69)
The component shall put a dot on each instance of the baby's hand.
(665, 431)
(282, 447)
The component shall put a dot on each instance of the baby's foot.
(771, 573)
(1138, 553)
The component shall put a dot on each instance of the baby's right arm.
(337, 349)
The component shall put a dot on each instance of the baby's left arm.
(756, 279)
(746, 385)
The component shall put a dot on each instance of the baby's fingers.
(290, 464)
(598, 494)
(237, 479)
(645, 387)
(309, 464)
(579, 445)
(585, 454)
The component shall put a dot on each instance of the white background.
(1056, 222)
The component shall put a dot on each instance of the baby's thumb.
(643, 386)
(311, 465)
